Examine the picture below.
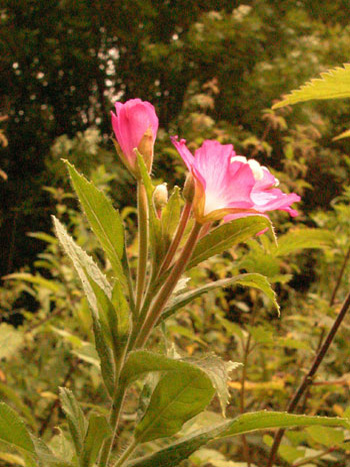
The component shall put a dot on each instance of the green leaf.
(83, 264)
(141, 362)
(248, 280)
(299, 239)
(13, 430)
(46, 457)
(105, 221)
(76, 420)
(178, 397)
(218, 371)
(226, 236)
(98, 431)
(325, 435)
(11, 394)
(171, 215)
(333, 84)
(254, 421)
(105, 356)
(36, 280)
(172, 455)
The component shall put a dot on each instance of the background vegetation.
(213, 70)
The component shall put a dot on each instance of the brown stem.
(341, 273)
(310, 374)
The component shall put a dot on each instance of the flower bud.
(160, 196)
(135, 125)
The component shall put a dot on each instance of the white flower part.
(256, 169)
(277, 182)
(239, 159)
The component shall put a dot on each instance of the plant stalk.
(126, 454)
(142, 207)
(307, 380)
(114, 422)
(168, 287)
(185, 215)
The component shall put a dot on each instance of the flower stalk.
(142, 206)
(168, 287)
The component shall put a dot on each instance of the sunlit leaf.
(227, 235)
(333, 84)
(13, 430)
(105, 221)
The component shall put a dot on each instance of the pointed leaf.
(46, 457)
(171, 214)
(299, 239)
(227, 235)
(333, 84)
(344, 134)
(178, 397)
(105, 356)
(141, 362)
(13, 430)
(219, 373)
(172, 455)
(98, 431)
(76, 420)
(254, 280)
(83, 264)
(105, 221)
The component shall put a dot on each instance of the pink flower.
(135, 125)
(229, 186)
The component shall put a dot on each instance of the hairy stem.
(307, 380)
(142, 207)
(114, 422)
(126, 454)
(168, 287)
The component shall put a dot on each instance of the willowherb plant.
(220, 187)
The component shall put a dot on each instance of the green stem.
(168, 287)
(185, 215)
(142, 206)
(113, 421)
(126, 454)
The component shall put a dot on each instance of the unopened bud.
(160, 196)
(189, 187)
(145, 148)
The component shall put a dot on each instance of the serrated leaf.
(98, 431)
(177, 398)
(227, 235)
(83, 264)
(172, 455)
(299, 239)
(254, 280)
(141, 362)
(333, 84)
(219, 372)
(105, 221)
(76, 420)
(13, 430)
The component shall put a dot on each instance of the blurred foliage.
(215, 65)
